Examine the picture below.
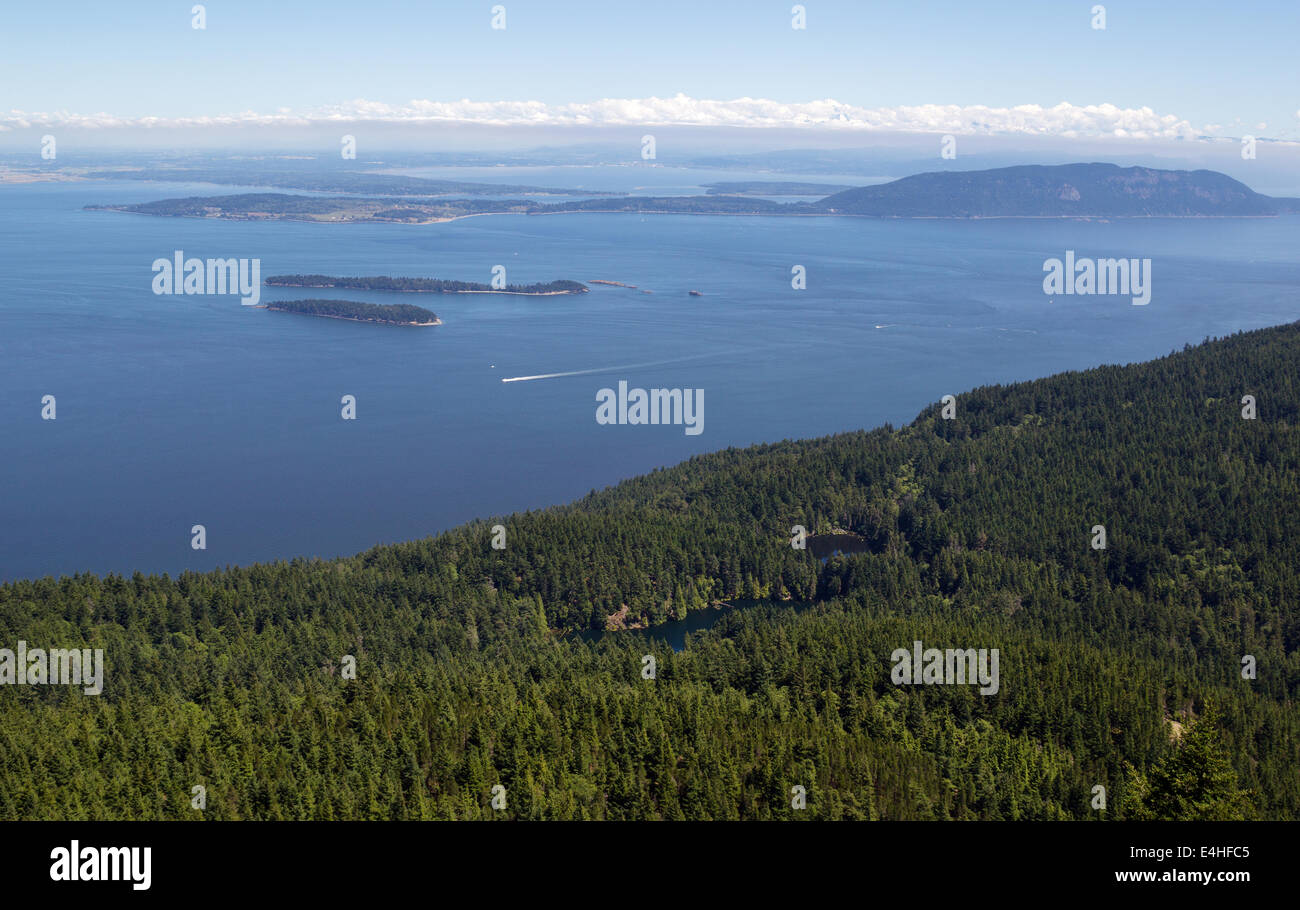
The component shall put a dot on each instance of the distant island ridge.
(1105, 190)
(1026, 191)
(774, 188)
(285, 175)
(424, 285)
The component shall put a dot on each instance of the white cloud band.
(1063, 119)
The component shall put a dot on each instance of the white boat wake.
(626, 366)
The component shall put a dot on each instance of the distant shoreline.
(1070, 217)
(1037, 192)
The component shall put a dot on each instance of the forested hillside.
(978, 530)
(1057, 190)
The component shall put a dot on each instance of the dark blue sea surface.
(182, 410)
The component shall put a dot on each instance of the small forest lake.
(674, 632)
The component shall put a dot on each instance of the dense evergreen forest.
(1121, 667)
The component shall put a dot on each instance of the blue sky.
(1234, 65)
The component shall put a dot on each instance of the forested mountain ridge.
(979, 530)
(1057, 190)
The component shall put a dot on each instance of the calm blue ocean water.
(175, 411)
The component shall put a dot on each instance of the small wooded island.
(424, 285)
(384, 314)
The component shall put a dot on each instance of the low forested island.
(321, 209)
(423, 285)
(383, 313)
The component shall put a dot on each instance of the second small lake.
(674, 633)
